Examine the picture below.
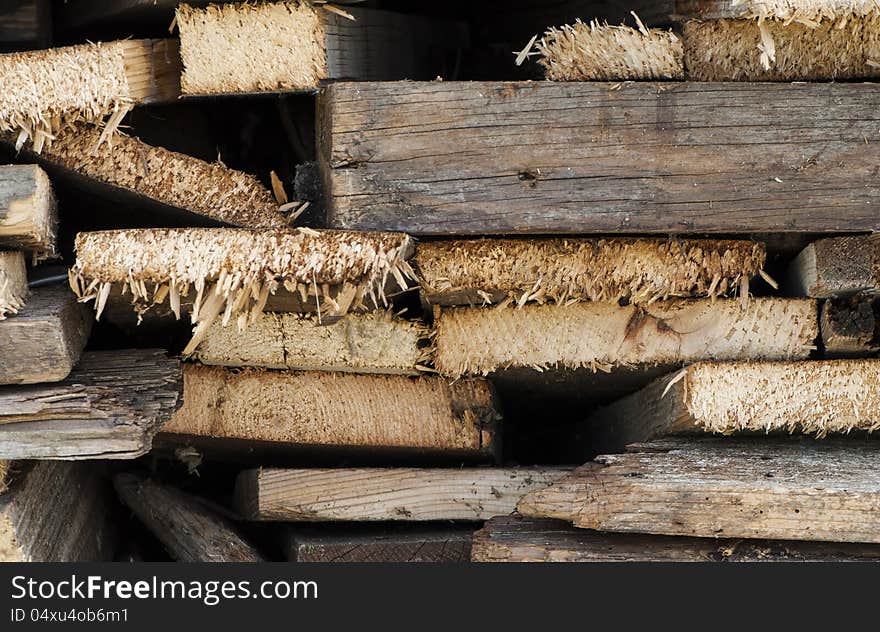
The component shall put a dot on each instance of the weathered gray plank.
(189, 529)
(785, 489)
(386, 494)
(55, 511)
(109, 407)
(45, 339)
(482, 158)
(27, 209)
(518, 539)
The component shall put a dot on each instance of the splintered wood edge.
(30, 222)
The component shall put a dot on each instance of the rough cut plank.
(479, 341)
(13, 283)
(25, 24)
(488, 158)
(293, 46)
(836, 266)
(736, 50)
(480, 271)
(518, 539)
(45, 91)
(850, 326)
(820, 397)
(358, 343)
(381, 494)
(189, 529)
(380, 545)
(154, 180)
(338, 410)
(56, 511)
(48, 336)
(109, 407)
(27, 209)
(786, 489)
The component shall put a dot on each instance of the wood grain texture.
(487, 158)
(836, 266)
(393, 544)
(109, 407)
(786, 489)
(386, 494)
(819, 397)
(518, 539)
(27, 209)
(299, 410)
(47, 337)
(56, 511)
(188, 528)
(479, 341)
(850, 326)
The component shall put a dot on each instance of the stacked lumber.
(313, 281)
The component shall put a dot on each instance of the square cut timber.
(482, 158)
(241, 48)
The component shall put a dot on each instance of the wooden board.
(393, 545)
(311, 410)
(188, 528)
(487, 158)
(836, 266)
(786, 489)
(820, 397)
(25, 24)
(850, 326)
(385, 494)
(518, 539)
(48, 336)
(109, 407)
(359, 343)
(56, 511)
(225, 50)
(13, 283)
(27, 209)
(480, 341)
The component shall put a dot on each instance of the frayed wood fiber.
(601, 52)
(336, 409)
(46, 91)
(561, 270)
(478, 341)
(208, 189)
(249, 47)
(359, 343)
(28, 211)
(233, 271)
(13, 283)
(807, 12)
(748, 50)
(816, 397)
(4, 475)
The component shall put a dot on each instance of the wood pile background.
(580, 280)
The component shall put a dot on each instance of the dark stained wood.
(518, 539)
(384, 544)
(779, 489)
(482, 158)
(188, 528)
(109, 407)
(56, 511)
(850, 326)
(48, 336)
(25, 24)
(836, 266)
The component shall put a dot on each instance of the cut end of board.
(246, 47)
(211, 190)
(233, 271)
(640, 271)
(13, 283)
(29, 220)
(46, 91)
(601, 52)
